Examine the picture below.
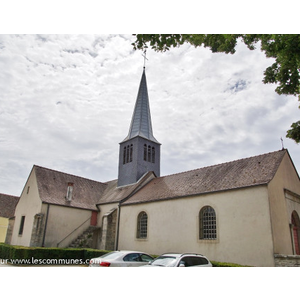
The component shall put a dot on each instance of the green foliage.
(294, 133)
(222, 264)
(285, 48)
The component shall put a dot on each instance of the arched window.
(207, 222)
(296, 232)
(145, 152)
(130, 155)
(149, 153)
(127, 154)
(153, 155)
(124, 156)
(142, 225)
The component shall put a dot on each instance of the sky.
(66, 103)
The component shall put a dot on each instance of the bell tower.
(139, 151)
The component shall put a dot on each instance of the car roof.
(181, 254)
(129, 251)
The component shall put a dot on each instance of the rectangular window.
(69, 191)
(22, 225)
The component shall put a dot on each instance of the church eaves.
(247, 172)
(141, 124)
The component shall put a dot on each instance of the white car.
(121, 259)
(180, 260)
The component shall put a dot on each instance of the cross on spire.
(144, 55)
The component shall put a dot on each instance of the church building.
(245, 211)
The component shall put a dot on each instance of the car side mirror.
(182, 264)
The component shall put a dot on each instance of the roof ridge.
(109, 181)
(9, 195)
(224, 163)
(69, 174)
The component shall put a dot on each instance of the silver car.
(180, 260)
(121, 259)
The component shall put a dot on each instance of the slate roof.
(8, 205)
(113, 193)
(247, 172)
(53, 185)
(141, 124)
(241, 173)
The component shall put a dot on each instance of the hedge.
(43, 255)
(222, 264)
(59, 256)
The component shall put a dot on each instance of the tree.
(285, 48)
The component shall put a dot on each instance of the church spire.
(139, 151)
(141, 124)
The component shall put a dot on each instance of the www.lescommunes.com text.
(44, 261)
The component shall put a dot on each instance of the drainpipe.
(118, 226)
(46, 222)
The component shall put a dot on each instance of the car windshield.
(164, 261)
(111, 255)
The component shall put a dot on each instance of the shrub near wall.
(43, 256)
(221, 264)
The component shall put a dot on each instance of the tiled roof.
(53, 185)
(113, 193)
(241, 173)
(8, 205)
(87, 193)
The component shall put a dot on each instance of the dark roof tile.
(241, 173)
(8, 205)
(53, 185)
(113, 193)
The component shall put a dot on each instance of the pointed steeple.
(139, 151)
(141, 124)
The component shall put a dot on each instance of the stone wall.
(111, 231)
(108, 230)
(37, 230)
(10, 228)
(287, 260)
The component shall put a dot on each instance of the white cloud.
(67, 101)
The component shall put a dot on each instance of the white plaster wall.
(281, 208)
(293, 204)
(3, 229)
(29, 205)
(62, 221)
(243, 227)
(105, 208)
